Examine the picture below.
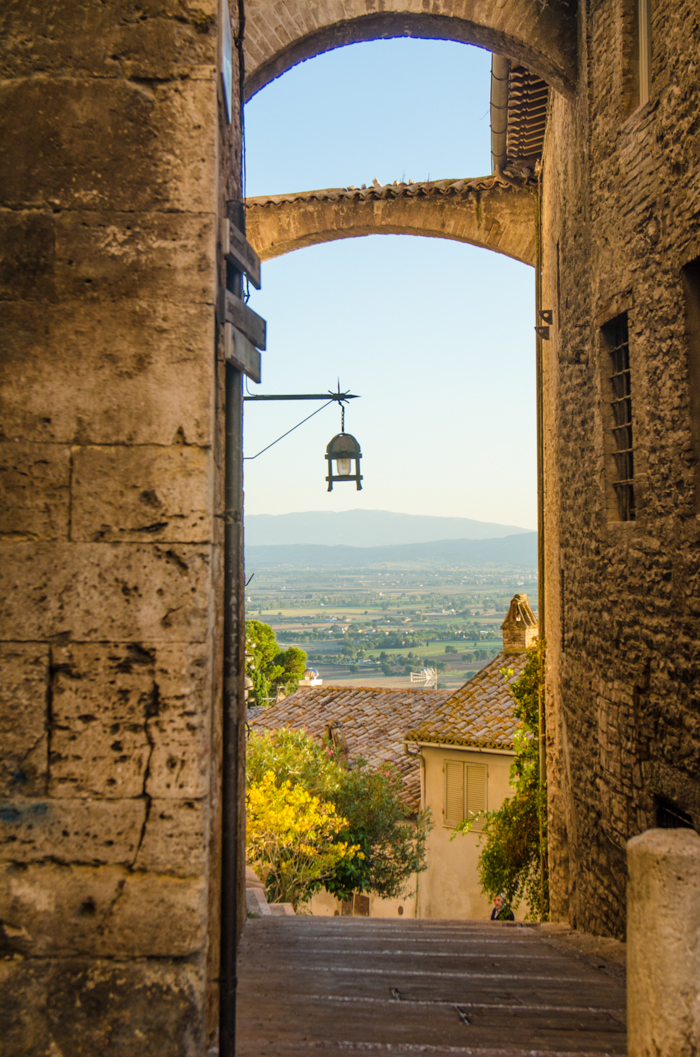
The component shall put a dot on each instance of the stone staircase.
(312, 985)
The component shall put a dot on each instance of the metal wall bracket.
(542, 332)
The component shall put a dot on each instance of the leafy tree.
(379, 821)
(514, 835)
(376, 819)
(292, 838)
(269, 667)
(295, 756)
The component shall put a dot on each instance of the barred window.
(616, 338)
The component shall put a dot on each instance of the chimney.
(520, 626)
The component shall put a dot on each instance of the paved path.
(321, 986)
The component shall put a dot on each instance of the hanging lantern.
(343, 450)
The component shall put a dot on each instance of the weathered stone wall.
(280, 34)
(621, 218)
(114, 166)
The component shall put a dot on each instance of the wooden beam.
(239, 252)
(245, 319)
(241, 353)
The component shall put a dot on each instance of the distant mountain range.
(516, 551)
(367, 528)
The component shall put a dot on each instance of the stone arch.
(495, 213)
(281, 33)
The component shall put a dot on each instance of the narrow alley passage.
(325, 985)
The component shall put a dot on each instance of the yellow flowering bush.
(291, 839)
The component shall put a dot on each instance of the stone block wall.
(621, 219)
(114, 166)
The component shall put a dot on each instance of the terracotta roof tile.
(372, 720)
(377, 191)
(480, 713)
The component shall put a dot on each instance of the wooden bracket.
(236, 249)
(233, 310)
(241, 353)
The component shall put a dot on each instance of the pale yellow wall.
(325, 905)
(450, 888)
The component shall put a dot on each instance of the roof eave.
(462, 745)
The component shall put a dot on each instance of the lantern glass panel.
(343, 467)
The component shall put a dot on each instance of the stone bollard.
(663, 944)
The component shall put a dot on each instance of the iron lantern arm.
(340, 398)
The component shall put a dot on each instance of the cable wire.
(249, 458)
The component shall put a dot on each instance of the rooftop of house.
(376, 724)
(364, 721)
(480, 713)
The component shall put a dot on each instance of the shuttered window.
(454, 792)
(465, 791)
(475, 782)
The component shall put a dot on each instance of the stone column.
(110, 190)
(663, 944)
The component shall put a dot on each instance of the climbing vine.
(513, 859)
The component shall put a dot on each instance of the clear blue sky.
(436, 336)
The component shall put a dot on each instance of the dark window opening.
(620, 439)
(670, 816)
(636, 54)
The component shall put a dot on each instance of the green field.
(378, 625)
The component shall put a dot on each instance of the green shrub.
(391, 844)
(514, 837)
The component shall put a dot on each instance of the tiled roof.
(528, 101)
(373, 722)
(480, 713)
(377, 191)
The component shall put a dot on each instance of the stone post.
(663, 939)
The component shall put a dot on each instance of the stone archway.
(492, 212)
(281, 34)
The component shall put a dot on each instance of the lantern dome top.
(343, 444)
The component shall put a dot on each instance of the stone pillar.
(663, 944)
(111, 188)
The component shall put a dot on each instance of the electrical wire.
(248, 458)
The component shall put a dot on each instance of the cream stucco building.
(466, 749)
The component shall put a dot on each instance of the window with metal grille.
(616, 337)
(465, 791)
